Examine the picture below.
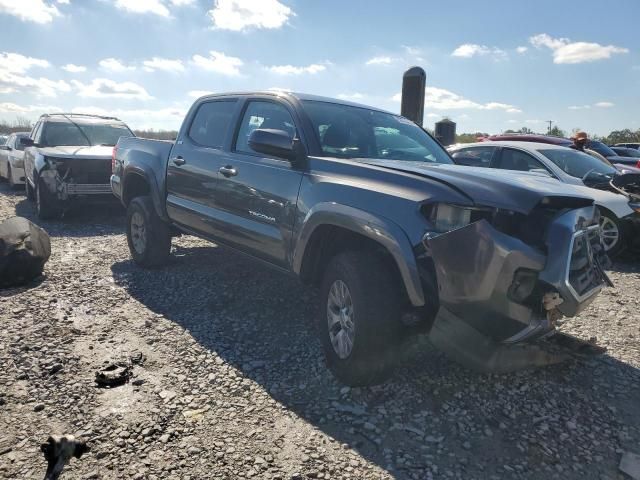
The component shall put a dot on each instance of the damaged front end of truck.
(505, 279)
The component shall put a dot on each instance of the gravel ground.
(232, 383)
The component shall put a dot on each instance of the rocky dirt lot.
(229, 381)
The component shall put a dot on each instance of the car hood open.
(505, 189)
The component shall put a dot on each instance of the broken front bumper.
(510, 292)
(64, 189)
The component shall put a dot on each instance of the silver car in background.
(620, 216)
(11, 159)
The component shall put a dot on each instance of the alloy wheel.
(340, 319)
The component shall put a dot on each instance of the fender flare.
(147, 174)
(380, 230)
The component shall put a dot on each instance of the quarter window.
(266, 115)
(211, 123)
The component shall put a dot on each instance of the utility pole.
(550, 122)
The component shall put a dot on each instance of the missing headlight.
(446, 218)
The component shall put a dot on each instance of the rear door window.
(512, 159)
(211, 123)
(475, 156)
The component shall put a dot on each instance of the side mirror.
(26, 142)
(277, 143)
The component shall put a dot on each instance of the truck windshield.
(578, 164)
(59, 134)
(345, 131)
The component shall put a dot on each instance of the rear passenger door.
(257, 194)
(513, 159)
(192, 170)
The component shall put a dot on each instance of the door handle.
(228, 171)
(178, 161)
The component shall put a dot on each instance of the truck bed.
(149, 156)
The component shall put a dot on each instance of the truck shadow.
(84, 220)
(432, 416)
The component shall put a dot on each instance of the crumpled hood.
(93, 152)
(506, 189)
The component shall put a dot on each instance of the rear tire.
(47, 205)
(12, 184)
(360, 302)
(148, 237)
(28, 190)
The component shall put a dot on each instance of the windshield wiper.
(79, 129)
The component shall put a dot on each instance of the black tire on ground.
(10, 177)
(375, 295)
(609, 222)
(148, 237)
(47, 205)
(28, 190)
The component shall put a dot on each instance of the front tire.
(612, 232)
(47, 205)
(359, 323)
(12, 184)
(149, 238)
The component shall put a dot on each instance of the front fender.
(378, 229)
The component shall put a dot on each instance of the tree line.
(625, 135)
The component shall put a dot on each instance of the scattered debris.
(630, 464)
(114, 374)
(58, 451)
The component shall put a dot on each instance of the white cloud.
(441, 99)
(115, 65)
(182, 3)
(105, 88)
(279, 89)
(522, 50)
(13, 69)
(469, 50)
(16, 63)
(198, 93)
(292, 70)
(567, 52)
(63, 2)
(8, 107)
(587, 107)
(37, 11)
(164, 64)
(42, 87)
(351, 96)
(433, 115)
(165, 118)
(413, 51)
(238, 15)
(71, 68)
(382, 60)
(533, 121)
(219, 62)
(143, 6)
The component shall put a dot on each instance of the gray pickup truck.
(369, 207)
